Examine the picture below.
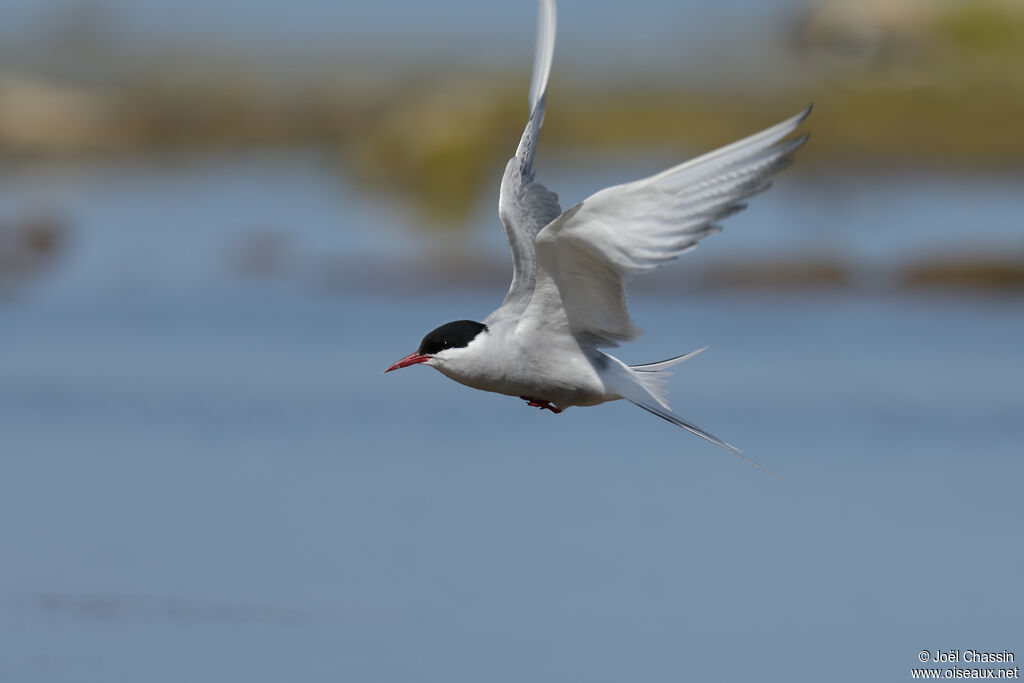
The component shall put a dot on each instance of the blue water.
(651, 31)
(178, 224)
(206, 477)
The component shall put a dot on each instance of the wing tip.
(793, 122)
(788, 148)
(544, 52)
(802, 116)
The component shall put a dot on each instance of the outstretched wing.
(524, 206)
(588, 253)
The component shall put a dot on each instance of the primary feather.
(525, 207)
(586, 255)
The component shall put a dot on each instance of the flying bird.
(567, 300)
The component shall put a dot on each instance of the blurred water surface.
(184, 222)
(398, 29)
(204, 475)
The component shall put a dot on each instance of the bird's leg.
(537, 403)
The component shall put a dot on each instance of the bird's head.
(446, 343)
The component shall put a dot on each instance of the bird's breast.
(564, 377)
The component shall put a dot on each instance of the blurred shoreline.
(986, 274)
(949, 90)
(937, 85)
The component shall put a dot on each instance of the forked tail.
(644, 385)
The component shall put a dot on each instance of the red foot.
(537, 403)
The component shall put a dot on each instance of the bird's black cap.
(454, 335)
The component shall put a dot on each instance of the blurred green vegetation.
(956, 98)
(983, 28)
(951, 93)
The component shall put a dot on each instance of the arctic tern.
(567, 299)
